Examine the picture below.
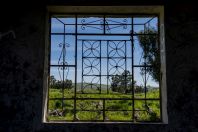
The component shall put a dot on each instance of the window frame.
(143, 10)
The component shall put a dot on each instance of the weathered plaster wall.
(21, 74)
(182, 67)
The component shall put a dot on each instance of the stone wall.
(22, 62)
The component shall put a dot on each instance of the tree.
(122, 83)
(149, 44)
(59, 84)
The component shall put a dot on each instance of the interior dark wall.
(22, 60)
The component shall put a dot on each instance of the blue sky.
(57, 40)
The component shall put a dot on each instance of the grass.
(116, 109)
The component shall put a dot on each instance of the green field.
(104, 107)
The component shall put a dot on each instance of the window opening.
(104, 68)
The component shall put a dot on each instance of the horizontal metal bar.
(101, 40)
(101, 75)
(108, 110)
(143, 121)
(63, 65)
(104, 93)
(124, 15)
(110, 121)
(119, 99)
(102, 58)
(85, 24)
(100, 34)
(89, 93)
(91, 120)
(108, 57)
(101, 110)
(104, 98)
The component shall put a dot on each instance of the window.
(105, 67)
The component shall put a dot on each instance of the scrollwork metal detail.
(103, 24)
(62, 61)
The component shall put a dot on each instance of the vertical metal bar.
(133, 97)
(107, 66)
(100, 66)
(145, 81)
(145, 70)
(49, 62)
(104, 24)
(160, 81)
(125, 66)
(82, 66)
(103, 109)
(63, 50)
(75, 67)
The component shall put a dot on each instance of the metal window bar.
(65, 65)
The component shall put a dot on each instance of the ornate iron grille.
(103, 67)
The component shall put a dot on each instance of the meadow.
(113, 106)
